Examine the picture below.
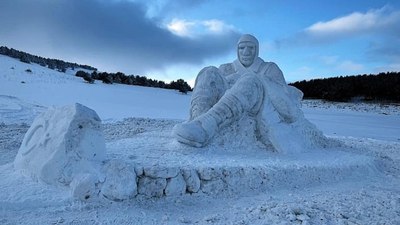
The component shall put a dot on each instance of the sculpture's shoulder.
(269, 66)
(227, 68)
(272, 70)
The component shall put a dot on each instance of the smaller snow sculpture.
(251, 88)
(62, 143)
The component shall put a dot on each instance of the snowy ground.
(134, 115)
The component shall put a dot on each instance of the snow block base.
(168, 168)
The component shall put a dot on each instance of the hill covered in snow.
(54, 64)
(90, 74)
(357, 184)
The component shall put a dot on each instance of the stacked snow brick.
(171, 181)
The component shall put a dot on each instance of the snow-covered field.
(361, 185)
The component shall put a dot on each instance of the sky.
(172, 39)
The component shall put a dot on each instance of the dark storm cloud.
(116, 34)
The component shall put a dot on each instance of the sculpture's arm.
(226, 69)
(273, 72)
(280, 94)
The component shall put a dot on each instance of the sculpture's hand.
(232, 78)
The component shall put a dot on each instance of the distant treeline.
(54, 64)
(372, 87)
(121, 78)
(109, 78)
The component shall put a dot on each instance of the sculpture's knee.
(209, 84)
(250, 92)
(208, 89)
(210, 78)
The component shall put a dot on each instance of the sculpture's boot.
(199, 131)
(247, 96)
(196, 132)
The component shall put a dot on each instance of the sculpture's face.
(247, 53)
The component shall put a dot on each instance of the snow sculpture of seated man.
(248, 86)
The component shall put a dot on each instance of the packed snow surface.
(354, 183)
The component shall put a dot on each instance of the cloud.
(350, 66)
(385, 49)
(376, 22)
(378, 31)
(195, 28)
(181, 27)
(161, 8)
(388, 68)
(335, 63)
(217, 26)
(114, 35)
(356, 23)
(303, 71)
(329, 60)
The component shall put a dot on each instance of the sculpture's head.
(247, 49)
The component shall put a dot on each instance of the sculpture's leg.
(209, 87)
(245, 96)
